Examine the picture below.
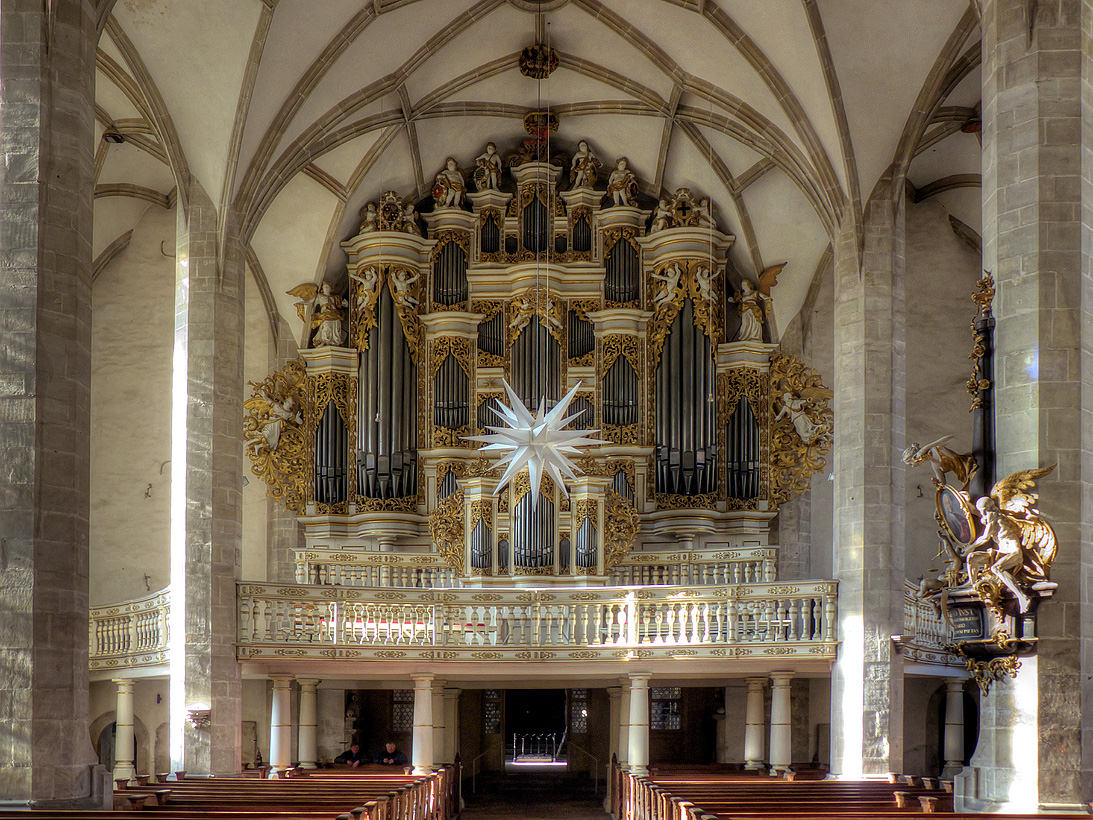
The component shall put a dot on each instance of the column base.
(308, 765)
(754, 765)
(639, 771)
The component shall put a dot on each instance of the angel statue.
(704, 277)
(943, 460)
(487, 174)
(622, 184)
(402, 280)
(753, 304)
(326, 312)
(1023, 543)
(670, 276)
(449, 188)
(662, 217)
(584, 167)
(279, 412)
(797, 407)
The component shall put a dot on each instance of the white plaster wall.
(256, 707)
(256, 345)
(941, 271)
(132, 339)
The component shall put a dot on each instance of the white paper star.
(537, 442)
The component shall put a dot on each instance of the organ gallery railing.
(130, 634)
(746, 565)
(608, 623)
(925, 633)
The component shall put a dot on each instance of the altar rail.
(797, 619)
(332, 567)
(130, 634)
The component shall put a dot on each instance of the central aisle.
(534, 795)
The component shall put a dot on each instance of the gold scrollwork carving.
(364, 290)
(669, 285)
(672, 501)
(522, 486)
(276, 435)
(621, 433)
(996, 669)
(405, 285)
(583, 509)
(403, 505)
(625, 345)
(536, 301)
(449, 437)
(978, 382)
(446, 529)
(442, 238)
(801, 426)
(620, 528)
(481, 511)
(457, 346)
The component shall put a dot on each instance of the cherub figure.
(369, 280)
(797, 407)
(326, 312)
(703, 216)
(449, 189)
(704, 279)
(671, 277)
(1024, 543)
(584, 168)
(402, 280)
(524, 310)
(487, 176)
(943, 460)
(409, 220)
(369, 215)
(622, 184)
(280, 411)
(662, 216)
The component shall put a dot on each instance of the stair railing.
(595, 768)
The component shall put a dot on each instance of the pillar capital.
(640, 678)
(422, 679)
(126, 682)
(782, 677)
(282, 681)
(614, 692)
(755, 683)
(308, 683)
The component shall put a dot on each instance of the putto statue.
(326, 312)
(622, 185)
(487, 173)
(584, 167)
(391, 213)
(449, 188)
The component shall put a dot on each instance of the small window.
(664, 708)
(402, 710)
(578, 711)
(492, 712)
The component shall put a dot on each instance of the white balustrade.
(130, 633)
(567, 618)
(924, 627)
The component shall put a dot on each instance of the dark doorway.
(535, 712)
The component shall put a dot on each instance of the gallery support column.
(280, 726)
(755, 726)
(451, 724)
(125, 745)
(624, 724)
(639, 723)
(780, 723)
(422, 753)
(308, 738)
(953, 741)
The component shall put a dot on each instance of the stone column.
(639, 723)
(440, 730)
(206, 490)
(870, 409)
(613, 695)
(422, 753)
(280, 725)
(125, 741)
(47, 139)
(1037, 221)
(953, 742)
(755, 726)
(307, 746)
(624, 724)
(781, 737)
(451, 724)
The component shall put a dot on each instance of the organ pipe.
(481, 544)
(622, 267)
(620, 393)
(451, 389)
(450, 274)
(586, 545)
(536, 365)
(491, 335)
(387, 399)
(686, 441)
(582, 336)
(331, 458)
(743, 452)
(533, 533)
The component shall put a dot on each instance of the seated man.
(391, 756)
(353, 756)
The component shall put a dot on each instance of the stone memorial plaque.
(967, 623)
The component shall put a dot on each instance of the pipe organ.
(544, 285)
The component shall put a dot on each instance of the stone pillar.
(47, 139)
(869, 405)
(953, 742)
(613, 695)
(307, 746)
(451, 724)
(781, 736)
(280, 725)
(639, 723)
(440, 730)
(1037, 221)
(624, 724)
(755, 726)
(206, 490)
(422, 753)
(125, 741)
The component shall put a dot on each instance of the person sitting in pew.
(391, 756)
(353, 756)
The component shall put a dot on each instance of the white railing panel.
(131, 633)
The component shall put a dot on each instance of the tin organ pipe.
(585, 552)
(582, 336)
(448, 486)
(743, 455)
(491, 335)
(331, 449)
(536, 365)
(387, 402)
(622, 273)
(622, 486)
(533, 545)
(450, 274)
(620, 402)
(536, 226)
(686, 440)
(582, 234)
(481, 546)
(490, 237)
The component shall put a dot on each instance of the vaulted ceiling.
(294, 113)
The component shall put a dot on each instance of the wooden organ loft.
(545, 284)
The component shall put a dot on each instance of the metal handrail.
(474, 772)
(595, 767)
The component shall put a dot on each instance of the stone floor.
(534, 795)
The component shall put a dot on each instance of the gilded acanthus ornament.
(979, 381)
(696, 280)
(364, 288)
(800, 428)
(273, 429)
(446, 529)
(621, 528)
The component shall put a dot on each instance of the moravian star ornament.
(540, 442)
